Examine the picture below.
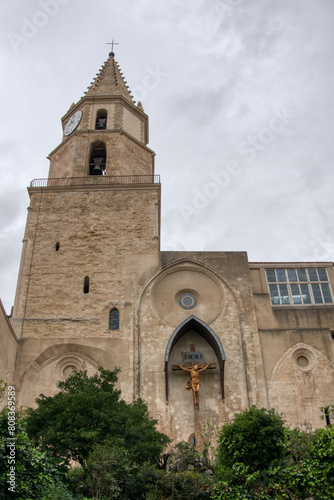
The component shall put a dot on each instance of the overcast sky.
(240, 99)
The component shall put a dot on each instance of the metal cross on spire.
(112, 47)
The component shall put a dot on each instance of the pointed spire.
(109, 81)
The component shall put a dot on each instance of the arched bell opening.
(101, 119)
(97, 159)
(196, 325)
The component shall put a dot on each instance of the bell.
(97, 170)
(98, 167)
(101, 123)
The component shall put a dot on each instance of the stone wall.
(107, 234)
(297, 349)
(220, 281)
(9, 343)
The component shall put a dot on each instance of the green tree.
(255, 438)
(88, 411)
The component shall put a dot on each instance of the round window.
(302, 361)
(187, 301)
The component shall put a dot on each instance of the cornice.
(96, 132)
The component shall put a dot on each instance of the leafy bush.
(255, 438)
(299, 444)
(58, 492)
(35, 470)
(305, 469)
(151, 483)
(185, 457)
(108, 470)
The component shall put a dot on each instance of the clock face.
(72, 123)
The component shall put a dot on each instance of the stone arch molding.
(200, 327)
(63, 356)
(303, 349)
(210, 285)
(301, 382)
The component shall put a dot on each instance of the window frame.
(110, 327)
(299, 286)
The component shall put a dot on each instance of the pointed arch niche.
(196, 325)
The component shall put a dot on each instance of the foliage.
(327, 413)
(138, 434)
(255, 438)
(111, 474)
(119, 448)
(299, 444)
(322, 462)
(185, 457)
(58, 492)
(35, 471)
(210, 433)
(108, 470)
(3, 386)
(151, 483)
(305, 470)
(88, 411)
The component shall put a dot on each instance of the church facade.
(94, 289)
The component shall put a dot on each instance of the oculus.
(187, 301)
(304, 359)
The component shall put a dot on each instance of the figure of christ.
(193, 382)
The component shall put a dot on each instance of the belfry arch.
(97, 158)
(201, 328)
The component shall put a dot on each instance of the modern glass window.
(114, 319)
(299, 286)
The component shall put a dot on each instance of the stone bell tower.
(104, 133)
(92, 233)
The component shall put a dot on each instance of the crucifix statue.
(193, 382)
(194, 368)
